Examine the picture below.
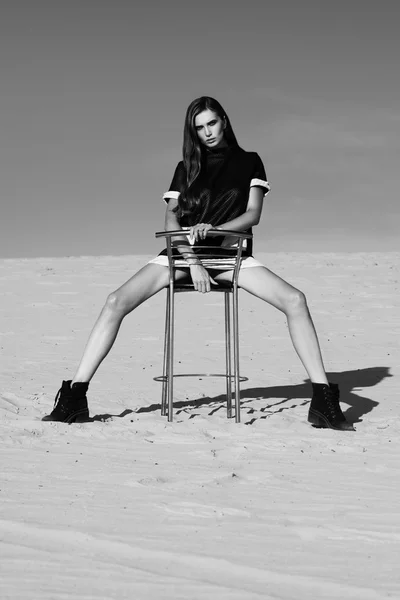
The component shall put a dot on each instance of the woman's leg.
(144, 284)
(264, 284)
(71, 403)
(324, 408)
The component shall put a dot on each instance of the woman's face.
(210, 128)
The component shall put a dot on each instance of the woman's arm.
(172, 224)
(200, 277)
(248, 219)
(252, 215)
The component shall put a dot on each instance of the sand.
(131, 506)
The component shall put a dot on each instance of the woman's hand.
(199, 232)
(200, 278)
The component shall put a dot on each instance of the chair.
(211, 256)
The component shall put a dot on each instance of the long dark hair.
(189, 202)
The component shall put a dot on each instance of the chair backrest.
(212, 256)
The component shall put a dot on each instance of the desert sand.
(129, 506)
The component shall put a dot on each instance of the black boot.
(70, 404)
(325, 409)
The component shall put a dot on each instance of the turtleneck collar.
(218, 149)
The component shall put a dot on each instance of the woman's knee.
(144, 284)
(116, 303)
(295, 302)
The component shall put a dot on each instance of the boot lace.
(58, 397)
(332, 404)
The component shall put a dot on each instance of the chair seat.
(225, 286)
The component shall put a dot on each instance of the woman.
(216, 185)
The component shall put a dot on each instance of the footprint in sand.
(65, 293)
(203, 511)
(10, 402)
(147, 481)
(61, 338)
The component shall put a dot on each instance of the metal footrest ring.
(164, 377)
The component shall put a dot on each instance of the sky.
(93, 95)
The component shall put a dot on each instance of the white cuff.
(171, 194)
(261, 183)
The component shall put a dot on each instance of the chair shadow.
(349, 382)
(106, 416)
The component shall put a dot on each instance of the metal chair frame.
(222, 257)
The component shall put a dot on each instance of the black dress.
(225, 180)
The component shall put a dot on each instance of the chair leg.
(236, 354)
(228, 356)
(165, 359)
(170, 360)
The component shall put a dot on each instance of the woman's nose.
(208, 131)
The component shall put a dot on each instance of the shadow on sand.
(284, 397)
